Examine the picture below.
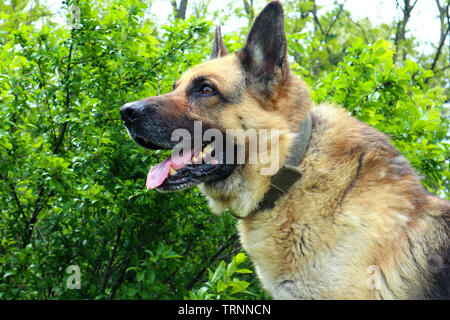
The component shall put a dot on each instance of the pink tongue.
(159, 173)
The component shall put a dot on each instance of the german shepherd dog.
(356, 225)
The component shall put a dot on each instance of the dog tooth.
(172, 171)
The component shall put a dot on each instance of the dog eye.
(207, 90)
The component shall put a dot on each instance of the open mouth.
(187, 168)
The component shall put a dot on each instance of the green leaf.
(240, 257)
(244, 271)
(238, 286)
(219, 272)
(427, 74)
(221, 286)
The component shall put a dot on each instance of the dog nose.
(131, 111)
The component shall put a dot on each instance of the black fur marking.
(440, 264)
(302, 244)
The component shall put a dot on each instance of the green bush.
(72, 183)
(222, 285)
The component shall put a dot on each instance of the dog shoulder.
(407, 224)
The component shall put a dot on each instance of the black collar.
(289, 174)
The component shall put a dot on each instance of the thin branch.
(445, 29)
(226, 256)
(248, 6)
(68, 70)
(442, 69)
(211, 260)
(64, 126)
(341, 9)
(16, 198)
(120, 280)
(29, 227)
(326, 33)
(316, 18)
(113, 256)
(363, 32)
(401, 25)
(157, 63)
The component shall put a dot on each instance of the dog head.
(251, 89)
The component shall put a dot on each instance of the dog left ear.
(218, 49)
(265, 51)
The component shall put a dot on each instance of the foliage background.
(72, 182)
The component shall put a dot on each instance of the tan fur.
(321, 238)
(359, 207)
(324, 249)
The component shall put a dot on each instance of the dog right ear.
(264, 55)
(218, 49)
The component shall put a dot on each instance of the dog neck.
(289, 173)
(235, 193)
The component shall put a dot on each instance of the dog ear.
(218, 49)
(265, 50)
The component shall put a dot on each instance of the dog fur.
(359, 206)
